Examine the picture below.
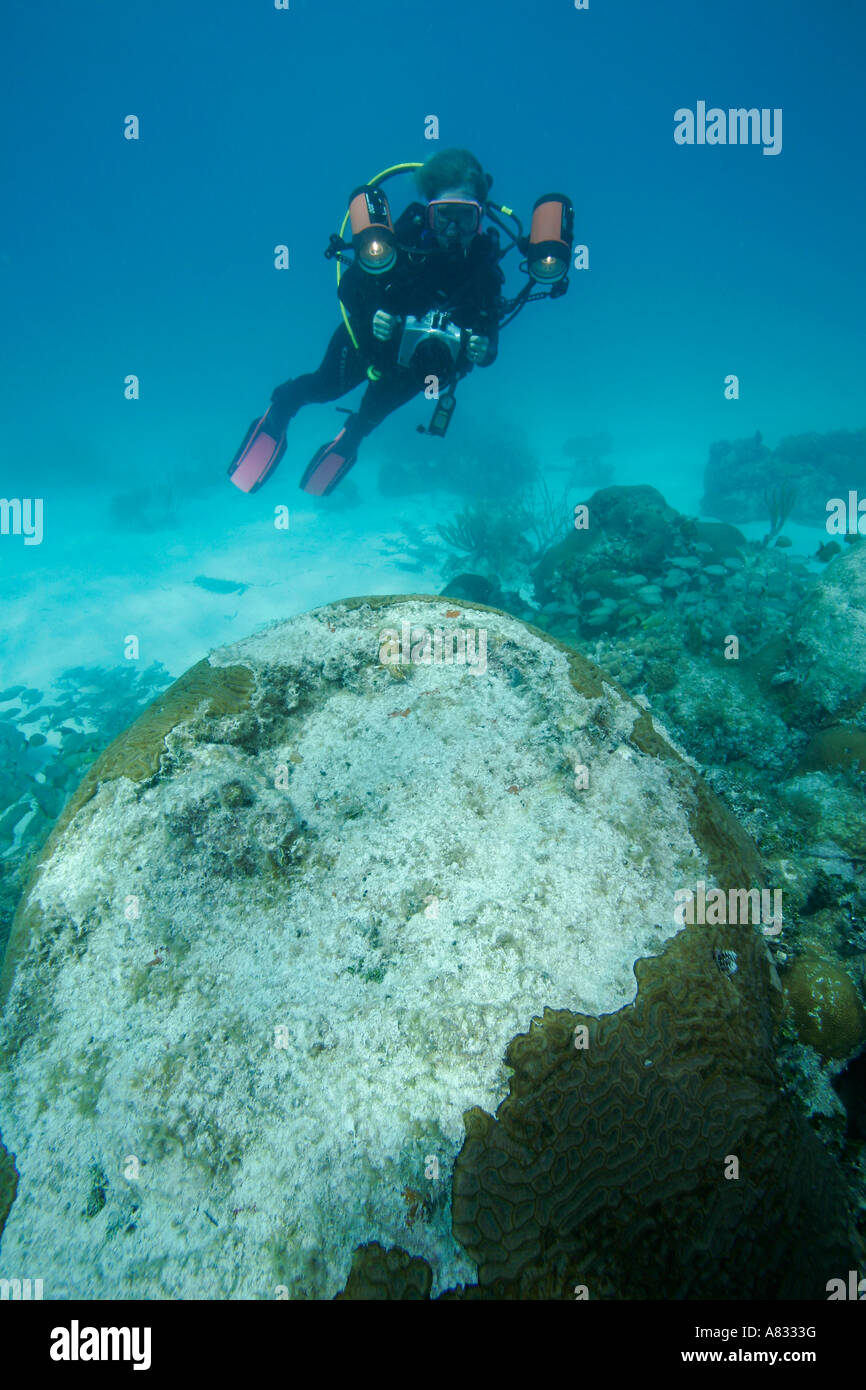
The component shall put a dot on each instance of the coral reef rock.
(828, 654)
(741, 474)
(638, 554)
(347, 977)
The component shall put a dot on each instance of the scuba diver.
(421, 305)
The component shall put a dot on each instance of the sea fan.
(779, 502)
(549, 518)
(489, 539)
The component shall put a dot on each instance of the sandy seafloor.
(74, 599)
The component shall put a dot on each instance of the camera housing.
(430, 346)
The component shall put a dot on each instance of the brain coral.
(300, 977)
(826, 1006)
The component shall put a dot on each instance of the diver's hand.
(384, 325)
(477, 348)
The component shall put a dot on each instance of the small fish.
(58, 714)
(826, 552)
(452, 613)
(726, 961)
(399, 713)
(219, 586)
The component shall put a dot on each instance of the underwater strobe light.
(549, 251)
(372, 229)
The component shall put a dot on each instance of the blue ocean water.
(154, 258)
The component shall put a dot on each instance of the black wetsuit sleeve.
(361, 296)
(491, 280)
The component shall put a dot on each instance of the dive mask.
(464, 214)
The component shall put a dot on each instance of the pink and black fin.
(328, 466)
(258, 456)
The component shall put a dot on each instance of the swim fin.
(328, 466)
(259, 454)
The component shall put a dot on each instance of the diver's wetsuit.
(467, 284)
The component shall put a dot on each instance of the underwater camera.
(430, 346)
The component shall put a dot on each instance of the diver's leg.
(332, 462)
(380, 399)
(341, 370)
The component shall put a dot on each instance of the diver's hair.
(453, 169)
